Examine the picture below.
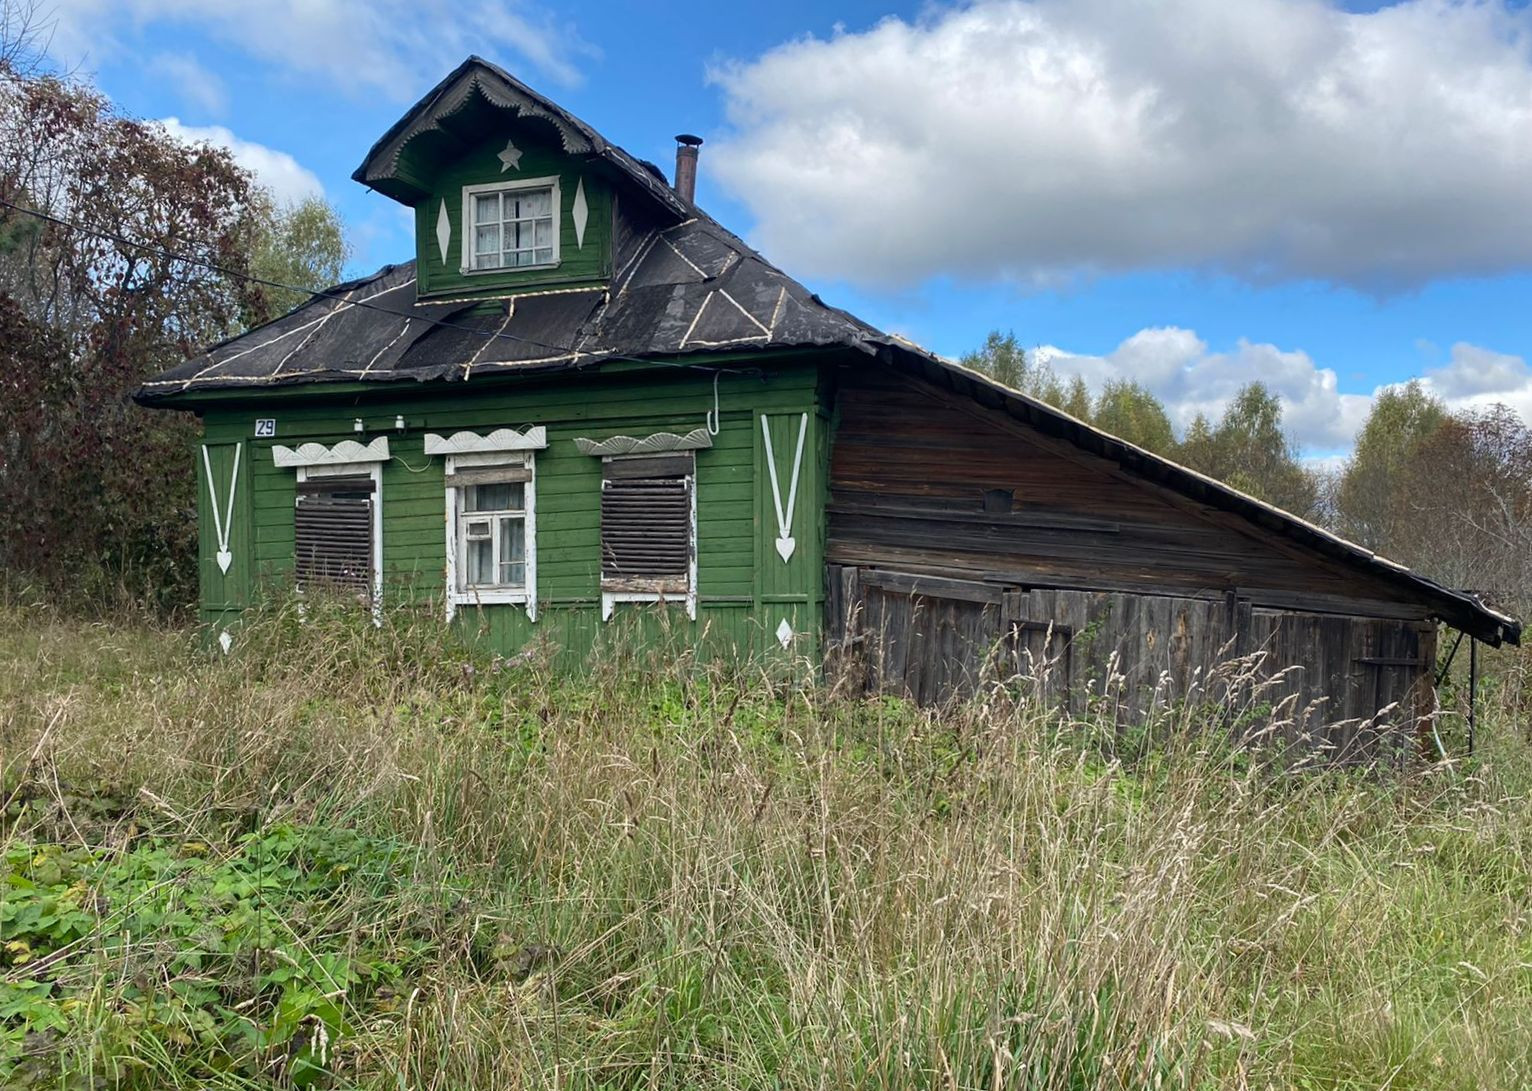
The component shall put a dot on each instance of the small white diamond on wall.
(225, 641)
(443, 231)
(579, 212)
(510, 158)
(784, 633)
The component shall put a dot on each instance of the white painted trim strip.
(222, 527)
(786, 544)
(674, 249)
(299, 329)
(510, 312)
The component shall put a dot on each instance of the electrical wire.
(332, 293)
(328, 293)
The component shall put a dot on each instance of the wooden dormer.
(510, 213)
(484, 151)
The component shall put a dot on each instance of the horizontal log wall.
(966, 547)
(911, 466)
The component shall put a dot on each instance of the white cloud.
(198, 86)
(279, 172)
(396, 48)
(1048, 139)
(1476, 378)
(1178, 368)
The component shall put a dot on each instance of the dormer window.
(511, 225)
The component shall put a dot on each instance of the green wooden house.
(585, 406)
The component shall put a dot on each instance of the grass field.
(366, 858)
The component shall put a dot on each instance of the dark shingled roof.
(690, 288)
(684, 286)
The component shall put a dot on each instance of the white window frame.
(610, 599)
(373, 470)
(466, 263)
(525, 595)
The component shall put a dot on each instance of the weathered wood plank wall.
(1349, 686)
(965, 548)
(910, 467)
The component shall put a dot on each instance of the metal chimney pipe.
(686, 166)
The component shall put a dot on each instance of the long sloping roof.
(685, 287)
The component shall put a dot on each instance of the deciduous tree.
(146, 259)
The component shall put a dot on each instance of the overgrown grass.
(366, 857)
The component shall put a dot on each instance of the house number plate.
(265, 427)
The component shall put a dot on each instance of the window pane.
(506, 497)
(486, 240)
(481, 562)
(544, 257)
(513, 573)
(487, 210)
(538, 202)
(544, 232)
(513, 546)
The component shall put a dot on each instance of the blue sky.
(1191, 193)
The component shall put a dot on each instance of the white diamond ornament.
(443, 231)
(784, 633)
(579, 212)
(225, 641)
(224, 559)
(785, 547)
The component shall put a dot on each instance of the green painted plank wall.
(745, 588)
(224, 503)
(580, 262)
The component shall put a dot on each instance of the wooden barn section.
(975, 536)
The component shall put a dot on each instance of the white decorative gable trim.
(317, 454)
(697, 439)
(501, 439)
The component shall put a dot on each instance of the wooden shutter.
(332, 535)
(646, 524)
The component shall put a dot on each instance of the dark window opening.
(646, 524)
(999, 500)
(333, 535)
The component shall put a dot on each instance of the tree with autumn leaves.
(147, 250)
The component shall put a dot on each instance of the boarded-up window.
(646, 524)
(333, 534)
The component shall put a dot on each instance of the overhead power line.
(323, 293)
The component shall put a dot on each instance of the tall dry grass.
(660, 875)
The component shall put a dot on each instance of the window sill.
(683, 597)
(489, 597)
(505, 269)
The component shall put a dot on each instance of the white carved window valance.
(697, 439)
(317, 454)
(501, 439)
